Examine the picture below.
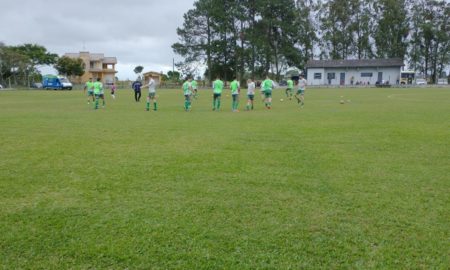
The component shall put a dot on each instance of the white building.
(348, 72)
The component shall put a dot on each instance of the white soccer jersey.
(152, 86)
(251, 88)
(302, 84)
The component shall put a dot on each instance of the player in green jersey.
(187, 91)
(289, 89)
(195, 88)
(217, 93)
(235, 89)
(267, 87)
(98, 92)
(89, 86)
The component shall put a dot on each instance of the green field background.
(360, 185)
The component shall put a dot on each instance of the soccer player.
(217, 89)
(267, 87)
(235, 89)
(137, 90)
(300, 96)
(289, 89)
(195, 88)
(98, 92)
(113, 91)
(250, 94)
(187, 91)
(89, 86)
(151, 95)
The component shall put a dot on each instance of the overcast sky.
(137, 32)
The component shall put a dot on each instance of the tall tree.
(70, 66)
(392, 29)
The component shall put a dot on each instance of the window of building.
(331, 76)
(317, 76)
(367, 74)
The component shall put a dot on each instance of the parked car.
(421, 82)
(56, 83)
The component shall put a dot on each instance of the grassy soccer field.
(361, 185)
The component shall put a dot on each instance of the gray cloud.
(137, 32)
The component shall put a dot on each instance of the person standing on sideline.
(98, 92)
(113, 91)
(137, 90)
(289, 89)
(187, 91)
(217, 93)
(89, 86)
(151, 95)
(300, 96)
(267, 87)
(250, 94)
(195, 88)
(235, 89)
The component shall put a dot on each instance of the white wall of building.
(310, 76)
(391, 74)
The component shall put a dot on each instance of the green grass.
(364, 185)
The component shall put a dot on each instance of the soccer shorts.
(152, 95)
(251, 97)
(301, 92)
(267, 94)
(217, 95)
(90, 93)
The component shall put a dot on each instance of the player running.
(300, 96)
(289, 89)
(187, 91)
(98, 92)
(113, 91)
(217, 93)
(89, 86)
(250, 94)
(235, 89)
(267, 87)
(151, 95)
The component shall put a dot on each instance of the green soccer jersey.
(98, 88)
(267, 85)
(234, 86)
(194, 84)
(218, 86)
(187, 88)
(90, 86)
(290, 84)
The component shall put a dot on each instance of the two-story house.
(96, 66)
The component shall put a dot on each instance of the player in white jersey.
(301, 87)
(250, 94)
(151, 95)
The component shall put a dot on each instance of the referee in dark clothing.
(137, 90)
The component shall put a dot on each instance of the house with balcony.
(96, 66)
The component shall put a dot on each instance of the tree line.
(19, 65)
(253, 37)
